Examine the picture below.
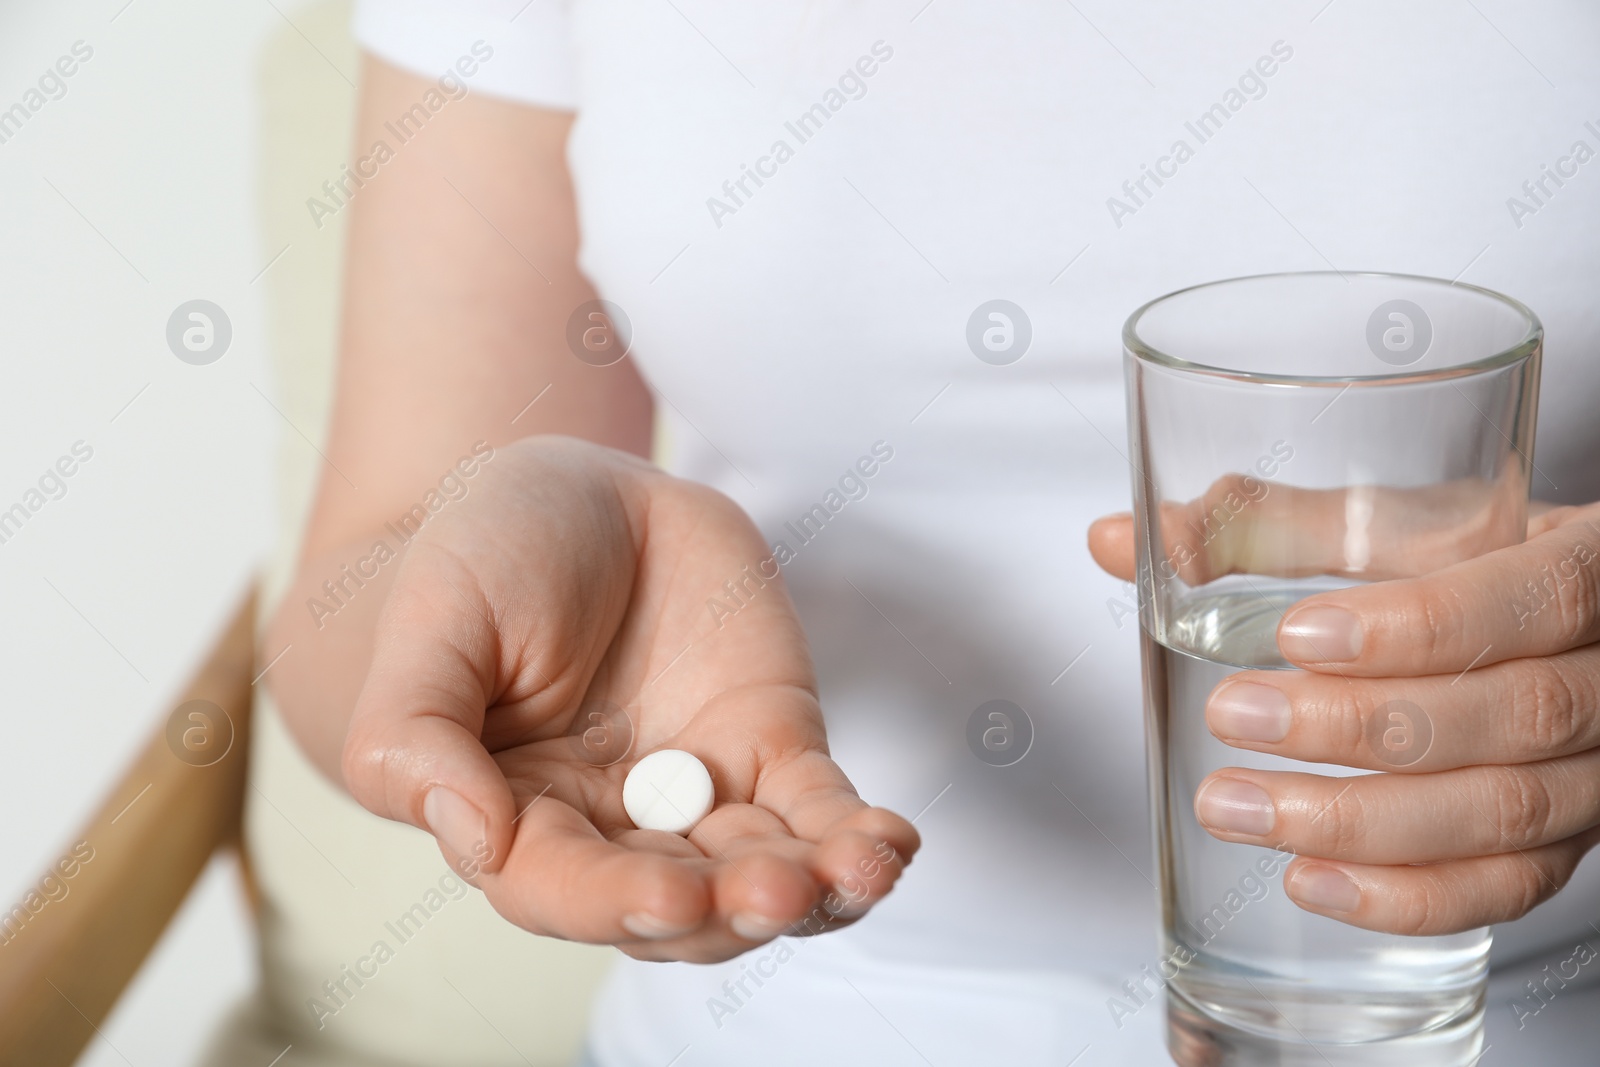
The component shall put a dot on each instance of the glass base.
(1196, 1039)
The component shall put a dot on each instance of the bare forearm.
(328, 641)
(460, 275)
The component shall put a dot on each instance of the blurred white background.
(132, 193)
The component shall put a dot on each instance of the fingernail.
(753, 927)
(851, 907)
(1320, 634)
(1324, 888)
(1235, 806)
(452, 820)
(1246, 711)
(647, 926)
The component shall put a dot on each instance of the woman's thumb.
(413, 752)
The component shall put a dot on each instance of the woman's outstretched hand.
(548, 631)
(1476, 686)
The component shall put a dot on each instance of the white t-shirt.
(798, 206)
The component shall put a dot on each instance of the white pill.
(668, 790)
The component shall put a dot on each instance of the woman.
(801, 216)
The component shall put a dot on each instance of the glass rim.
(1529, 343)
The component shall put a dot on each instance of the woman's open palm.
(553, 628)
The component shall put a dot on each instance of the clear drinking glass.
(1292, 434)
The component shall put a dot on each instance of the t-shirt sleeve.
(516, 49)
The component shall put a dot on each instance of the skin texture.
(1492, 817)
(456, 690)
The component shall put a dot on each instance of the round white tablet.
(668, 790)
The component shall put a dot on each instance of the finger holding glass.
(1299, 491)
